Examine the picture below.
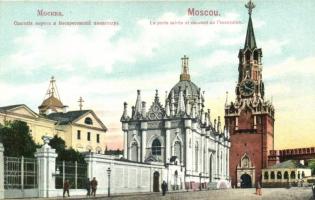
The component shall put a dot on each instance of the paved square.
(233, 194)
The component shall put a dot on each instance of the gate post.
(46, 159)
(1, 172)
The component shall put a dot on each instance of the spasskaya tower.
(250, 119)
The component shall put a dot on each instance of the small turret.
(167, 108)
(219, 125)
(125, 112)
(144, 110)
(172, 104)
(181, 103)
(51, 102)
(138, 103)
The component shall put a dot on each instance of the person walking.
(88, 187)
(66, 187)
(164, 188)
(94, 186)
(258, 188)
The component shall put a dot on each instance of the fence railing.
(75, 172)
(20, 173)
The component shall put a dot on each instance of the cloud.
(292, 67)
(273, 46)
(218, 58)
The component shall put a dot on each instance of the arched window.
(134, 152)
(156, 147)
(279, 175)
(177, 150)
(286, 175)
(299, 175)
(292, 176)
(88, 121)
(272, 175)
(266, 175)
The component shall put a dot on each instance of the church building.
(250, 119)
(81, 129)
(178, 135)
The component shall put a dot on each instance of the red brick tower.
(250, 119)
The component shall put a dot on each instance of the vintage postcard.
(145, 99)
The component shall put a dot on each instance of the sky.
(106, 64)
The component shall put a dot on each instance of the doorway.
(156, 182)
(246, 181)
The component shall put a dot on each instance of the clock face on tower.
(247, 87)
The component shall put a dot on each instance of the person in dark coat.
(164, 187)
(94, 186)
(66, 187)
(313, 189)
(88, 187)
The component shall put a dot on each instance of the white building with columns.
(180, 136)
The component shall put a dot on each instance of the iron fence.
(20, 173)
(75, 173)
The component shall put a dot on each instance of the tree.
(17, 140)
(113, 152)
(65, 154)
(311, 164)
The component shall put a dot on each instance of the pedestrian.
(258, 188)
(66, 187)
(313, 189)
(94, 186)
(164, 187)
(88, 187)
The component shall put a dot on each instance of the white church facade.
(179, 137)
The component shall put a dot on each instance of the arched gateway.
(246, 181)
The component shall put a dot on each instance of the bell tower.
(250, 119)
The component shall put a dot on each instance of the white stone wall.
(125, 176)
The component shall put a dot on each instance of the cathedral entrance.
(156, 180)
(246, 181)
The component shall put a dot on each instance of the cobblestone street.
(233, 194)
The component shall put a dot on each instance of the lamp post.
(108, 173)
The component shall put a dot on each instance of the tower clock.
(250, 118)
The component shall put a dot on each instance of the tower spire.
(185, 70)
(250, 41)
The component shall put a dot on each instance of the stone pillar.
(1, 172)
(167, 138)
(90, 165)
(188, 156)
(206, 164)
(144, 127)
(228, 160)
(46, 159)
(202, 152)
(125, 130)
(217, 164)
